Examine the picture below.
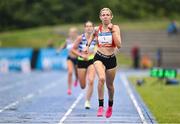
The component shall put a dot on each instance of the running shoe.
(75, 83)
(109, 112)
(69, 92)
(100, 111)
(87, 105)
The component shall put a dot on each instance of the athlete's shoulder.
(80, 37)
(116, 28)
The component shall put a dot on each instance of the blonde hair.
(73, 29)
(88, 22)
(106, 9)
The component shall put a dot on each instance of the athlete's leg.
(110, 75)
(100, 70)
(82, 77)
(90, 76)
(76, 75)
(70, 70)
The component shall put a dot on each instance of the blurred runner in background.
(85, 61)
(71, 59)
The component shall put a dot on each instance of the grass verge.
(162, 100)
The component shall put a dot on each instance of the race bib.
(105, 39)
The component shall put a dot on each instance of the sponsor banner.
(15, 59)
(49, 59)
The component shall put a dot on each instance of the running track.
(40, 97)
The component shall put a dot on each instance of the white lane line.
(126, 83)
(71, 108)
(29, 96)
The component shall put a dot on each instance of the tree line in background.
(30, 13)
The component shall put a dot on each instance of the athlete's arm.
(75, 46)
(116, 36)
(93, 34)
(61, 47)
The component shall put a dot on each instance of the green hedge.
(27, 13)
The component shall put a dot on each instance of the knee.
(83, 85)
(91, 83)
(101, 82)
(70, 72)
(110, 86)
(101, 79)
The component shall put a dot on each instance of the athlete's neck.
(105, 26)
(87, 35)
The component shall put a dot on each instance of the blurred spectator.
(146, 62)
(159, 57)
(172, 28)
(135, 52)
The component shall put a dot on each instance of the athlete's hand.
(86, 50)
(85, 56)
(110, 26)
(95, 29)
